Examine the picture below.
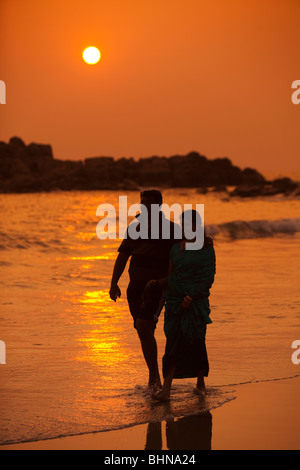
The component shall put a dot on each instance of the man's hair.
(153, 194)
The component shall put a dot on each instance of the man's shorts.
(145, 305)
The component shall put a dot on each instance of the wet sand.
(264, 416)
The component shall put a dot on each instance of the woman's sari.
(185, 329)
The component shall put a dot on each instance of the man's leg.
(146, 330)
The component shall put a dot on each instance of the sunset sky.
(174, 76)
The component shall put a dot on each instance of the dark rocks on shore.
(284, 186)
(32, 168)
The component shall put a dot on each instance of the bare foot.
(154, 387)
(161, 396)
(201, 391)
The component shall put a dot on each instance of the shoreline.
(264, 416)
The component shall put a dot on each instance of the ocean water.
(73, 360)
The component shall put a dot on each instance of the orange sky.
(175, 76)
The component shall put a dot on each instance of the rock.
(251, 176)
(33, 168)
(128, 185)
(284, 185)
(202, 190)
(219, 189)
(153, 171)
(247, 190)
(268, 188)
(16, 142)
(297, 190)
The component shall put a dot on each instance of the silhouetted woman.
(187, 310)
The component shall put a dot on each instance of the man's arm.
(119, 267)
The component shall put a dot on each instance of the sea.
(73, 359)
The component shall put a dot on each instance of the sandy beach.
(264, 416)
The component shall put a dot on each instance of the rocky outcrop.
(284, 186)
(32, 168)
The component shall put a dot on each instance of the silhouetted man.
(149, 261)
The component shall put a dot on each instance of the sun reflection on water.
(103, 340)
(92, 258)
(94, 297)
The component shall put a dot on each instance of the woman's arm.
(187, 301)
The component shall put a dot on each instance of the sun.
(91, 55)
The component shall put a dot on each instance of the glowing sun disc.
(91, 55)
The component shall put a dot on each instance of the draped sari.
(185, 329)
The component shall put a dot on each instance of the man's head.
(151, 196)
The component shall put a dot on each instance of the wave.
(234, 230)
(183, 406)
(22, 241)
(136, 407)
(242, 229)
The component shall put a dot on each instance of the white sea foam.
(241, 229)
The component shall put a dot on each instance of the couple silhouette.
(163, 272)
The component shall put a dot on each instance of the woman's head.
(193, 228)
(191, 220)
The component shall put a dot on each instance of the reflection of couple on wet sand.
(188, 433)
(164, 272)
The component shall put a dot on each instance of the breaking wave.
(234, 230)
(241, 229)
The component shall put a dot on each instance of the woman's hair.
(195, 217)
